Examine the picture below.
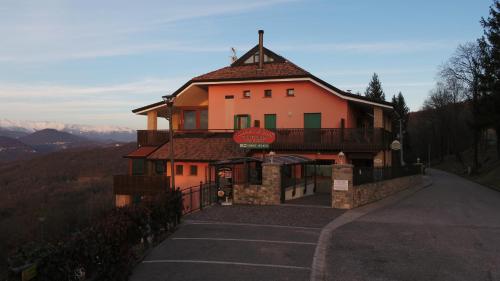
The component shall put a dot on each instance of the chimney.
(261, 49)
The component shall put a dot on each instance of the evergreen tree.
(490, 82)
(374, 90)
(400, 107)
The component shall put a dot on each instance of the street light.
(169, 102)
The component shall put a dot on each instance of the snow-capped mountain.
(100, 133)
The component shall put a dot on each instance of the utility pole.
(429, 154)
(401, 141)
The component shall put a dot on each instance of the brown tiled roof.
(200, 149)
(250, 71)
(280, 68)
(141, 152)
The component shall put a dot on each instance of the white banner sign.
(342, 185)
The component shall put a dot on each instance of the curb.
(319, 260)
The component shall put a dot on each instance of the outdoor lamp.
(271, 155)
(169, 100)
(341, 157)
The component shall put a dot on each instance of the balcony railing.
(140, 185)
(151, 137)
(347, 139)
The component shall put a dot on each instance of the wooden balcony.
(140, 185)
(347, 139)
(334, 139)
(151, 137)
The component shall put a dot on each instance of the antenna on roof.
(233, 56)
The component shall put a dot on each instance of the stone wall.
(269, 193)
(363, 194)
(371, 192)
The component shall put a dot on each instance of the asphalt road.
(448, 231)
(239, 243)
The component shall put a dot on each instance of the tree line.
(465, 102)
(463, 106)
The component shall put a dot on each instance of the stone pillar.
(342, 187)
(271, 180)
(152, 120)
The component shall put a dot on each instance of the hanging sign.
(254, 138)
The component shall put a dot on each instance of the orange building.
(310, 117)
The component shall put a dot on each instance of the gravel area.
(270, 215)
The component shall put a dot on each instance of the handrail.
(347, 139)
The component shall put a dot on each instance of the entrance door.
(270, 121)
(312, 127)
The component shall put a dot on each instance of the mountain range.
(18, 143)
(19, 128)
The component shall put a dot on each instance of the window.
(204, 119)
(256, 123)
(268, 93)
(189, 119)
(159, 167)
(195, 119)
(229, 97)
(246, 94)
(138, 167)
(179, 170)
(241, 121)
(290, 92)
(193, 170)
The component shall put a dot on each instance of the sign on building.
(254, 138)
(341, 185)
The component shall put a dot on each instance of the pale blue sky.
(91, 62)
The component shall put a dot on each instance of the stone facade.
(269, 193)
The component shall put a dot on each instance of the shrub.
(108, 249)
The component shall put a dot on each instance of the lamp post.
(169, 101)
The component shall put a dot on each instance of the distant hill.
(12, 133)
(13, 149)
(69, 188)
(49, 140)
(96, 133)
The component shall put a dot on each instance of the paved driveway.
(448, 231)
(240, 243)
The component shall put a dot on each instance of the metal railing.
(140, 184)
(362, 175)
(347, 139)
(197, 197)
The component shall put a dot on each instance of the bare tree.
(465, 68)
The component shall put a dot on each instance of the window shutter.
(235, 122)
(249, 123)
